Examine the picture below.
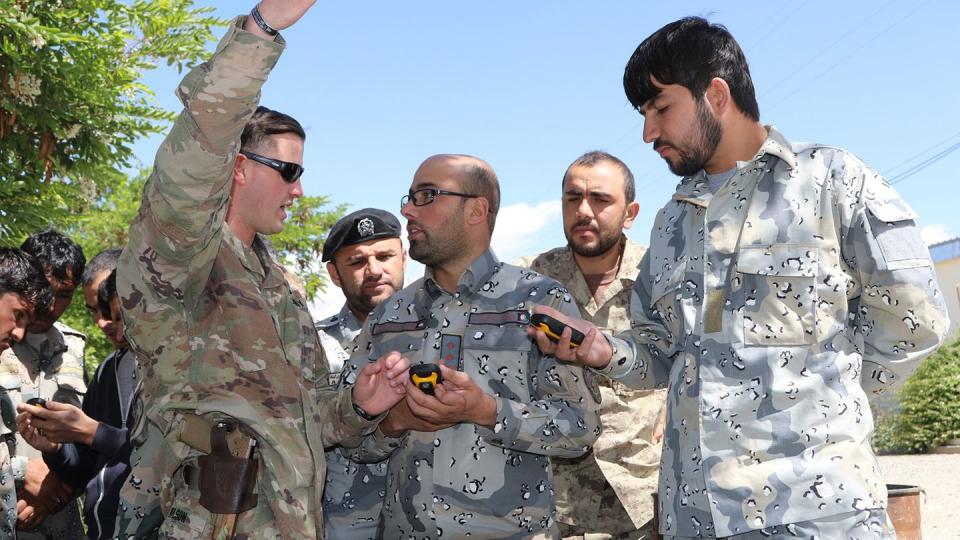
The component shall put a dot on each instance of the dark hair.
(102, 262)
(593, 157)
(690, 52)
(57, 254)
(22, 275)
(106, 293)
(264, 123)
(481, 180)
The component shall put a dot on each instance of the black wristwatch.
(257, 18)
(363, 414)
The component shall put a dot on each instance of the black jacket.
(103, 467)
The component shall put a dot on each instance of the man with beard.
(365, 258)
(608, 492)
(24, 290)
(480, 467)
(784, 284)
(47, 364)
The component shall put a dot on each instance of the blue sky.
(529, 86)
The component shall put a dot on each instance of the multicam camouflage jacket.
(214, 322)
(623, 458)
(354, 492)
(467, 479)
(775, 307)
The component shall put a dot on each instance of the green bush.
(929, 413)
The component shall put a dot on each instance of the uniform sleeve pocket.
(896, 233)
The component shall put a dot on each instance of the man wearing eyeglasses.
(502, 409)
(236, 408)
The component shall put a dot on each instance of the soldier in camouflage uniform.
(24, 291)
(608, 492)
(784, 285)
(483, 469)
(47, 364)
(220, 334)
(365, 259)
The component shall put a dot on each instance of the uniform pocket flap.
(789, 260)
(667, 281)
(890, 211)
(10, 381)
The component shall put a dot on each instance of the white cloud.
(932, 234)
(523, 229)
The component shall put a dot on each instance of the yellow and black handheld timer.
(425, 377)
(553, 328)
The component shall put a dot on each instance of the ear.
(479, 208)
(334, 274)
(718, 96)
(403, 258)
(632, 210)
(239, 170)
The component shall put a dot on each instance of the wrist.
(256, 24)
(486, 412)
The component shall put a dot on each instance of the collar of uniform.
(347, 319)
(48, 344)
(777, 146)
(630, 260)
(479, 272)
(694, 189)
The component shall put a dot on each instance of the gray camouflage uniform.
(354, 492)
(775, 307)
(467, 479)
(48, 366)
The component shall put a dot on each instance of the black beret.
(360, 226)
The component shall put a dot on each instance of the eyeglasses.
(425, 196)
(290, 172)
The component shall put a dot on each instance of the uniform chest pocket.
(496, 352)
(775, 292)
(70, 388)
(666, 295)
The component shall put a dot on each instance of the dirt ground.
(939, 476)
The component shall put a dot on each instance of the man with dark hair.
(608, 492)
(233, 372)
(472, 458)
(46, 364)
(365, 259)
(88, 447)
(95, 272)
(24, 289)
(785, 284)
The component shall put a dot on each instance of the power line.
(890, 170)
(924, 164)
(848, 56)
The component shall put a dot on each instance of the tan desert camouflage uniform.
(48, 366)
(216, 326)
(354, 492)
(467, 479)
(609, 490)
(775, 307)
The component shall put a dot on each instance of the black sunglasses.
(290, 172)
(425, 196)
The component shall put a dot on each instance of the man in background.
(47, 364)
(365, 258)
(607, 493)
(24, 290)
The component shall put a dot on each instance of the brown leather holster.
(228, 473)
